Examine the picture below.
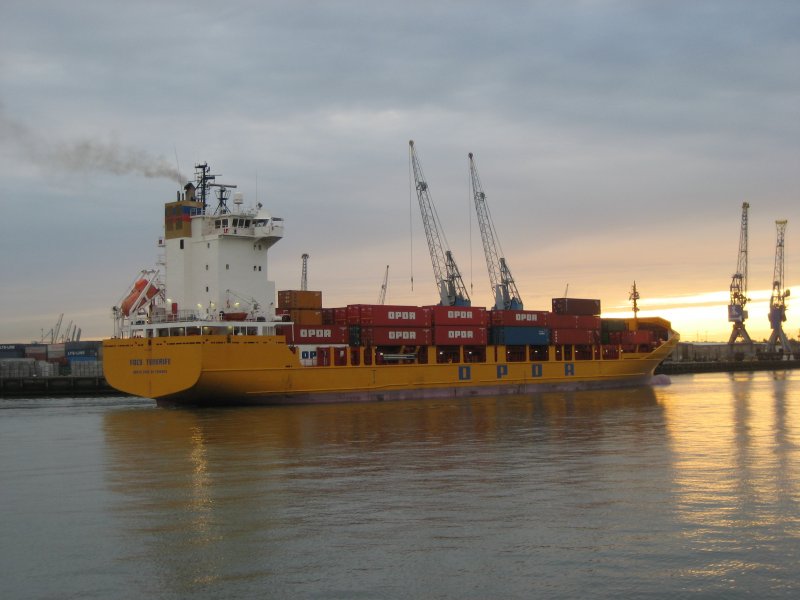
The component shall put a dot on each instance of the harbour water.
(683, 490)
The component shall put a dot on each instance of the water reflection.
(679, 489)
(735, 474)
(298, 496)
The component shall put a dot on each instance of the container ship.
(208, 330)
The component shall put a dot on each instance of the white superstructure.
(216, 264)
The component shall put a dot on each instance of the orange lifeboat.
(138, 296)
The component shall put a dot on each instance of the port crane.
(384, 285)
(52, 335)
(452, 291)
(777, 301)
(304, 273)
(504, 290)
(736, 309)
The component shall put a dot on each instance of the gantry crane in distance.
(736, 309)
(504, 290)
(452, 291)
(777, 301)
(304, 273)
(384, 285)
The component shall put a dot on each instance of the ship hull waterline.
(259, 370)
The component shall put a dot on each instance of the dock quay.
(62, 385)
(724, 366)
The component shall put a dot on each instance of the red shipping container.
(353, 314)
(340, 315)
(396, 336)
(587, 322)
(459, 335)
(334, 316)
(391, 316)
(557, 321)
(520, 318)
(321, 334)
(574, 336)
(459, 315)
(641, 336)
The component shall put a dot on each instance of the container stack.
(12, 351)
(572, 322)
(304, 309)
(87, 368)
(14, 368)
(459, 325)
(45, 369)
(388, 325)
(519, 327)
(575, 321)
(76, 352)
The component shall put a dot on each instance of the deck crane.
(452, 291)
(504, 290)
(736, 309)
(777, 301)
(384, 285)
(304, 273)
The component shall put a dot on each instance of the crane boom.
(504, 289)
(384, 285)
(452, 291)
(777, 301)
(736, 309)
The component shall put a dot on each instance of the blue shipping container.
(520, 336)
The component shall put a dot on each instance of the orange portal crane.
(736, 309)
(777, 301)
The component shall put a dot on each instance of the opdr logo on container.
(462, 335)
(402, 335)
(406, 315)
(459, 314)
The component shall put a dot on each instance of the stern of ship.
(151, 368)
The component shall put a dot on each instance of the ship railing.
(179, 317)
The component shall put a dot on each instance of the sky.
(616, 142)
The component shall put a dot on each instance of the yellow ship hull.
(223, 370)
